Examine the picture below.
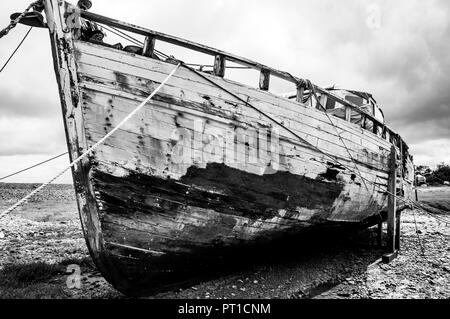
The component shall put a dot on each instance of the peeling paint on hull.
(163, 232)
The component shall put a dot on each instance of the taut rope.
(89, 151)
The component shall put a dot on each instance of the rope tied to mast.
(35, 5)
(91, 149)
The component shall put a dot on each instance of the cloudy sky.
(398, 50)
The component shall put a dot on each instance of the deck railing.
(221, 58)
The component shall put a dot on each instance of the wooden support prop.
(149, 46)
(388, 258)
(398, 221)
(323, 100)
(219, 66)
(264, 80)
(300, 93)
(392, 201)
(348, 114)
(375, 128)
(392, 251)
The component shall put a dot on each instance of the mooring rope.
(34, 166)
(15, 51)
(90, 150)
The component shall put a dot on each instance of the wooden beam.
(363, 121)
(393, 222)
(323, 100)
(384, 134)
(348, 114)
(219, 66)
(397, 230)
(300, 93)
(264, 80)
(392, 203)
(149, 46)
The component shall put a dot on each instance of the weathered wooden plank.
(149, 46)
(156, 126)
(392, 205)
(139, 69)
(300, 93)
(294, 166)
(374, 161)
(132, 154)
(348, 114)
(135, 128)
(231, 117)
(310, 132)
(135, 160)
(264, 80)
(219, 66)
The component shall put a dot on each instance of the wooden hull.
(197, 173)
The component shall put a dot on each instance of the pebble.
(2, 235)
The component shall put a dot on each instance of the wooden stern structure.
(199, 171)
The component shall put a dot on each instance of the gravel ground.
(48, 230)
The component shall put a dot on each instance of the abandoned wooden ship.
(209, 163)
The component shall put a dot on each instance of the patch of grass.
(17, 276)
(38, 280)
(36, 291)
(31, 281)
